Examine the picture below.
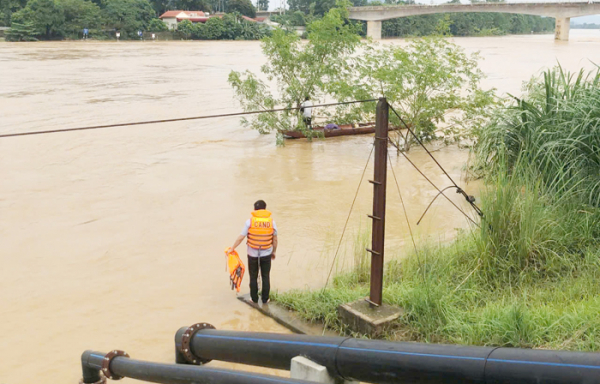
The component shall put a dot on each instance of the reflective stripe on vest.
(260, 233)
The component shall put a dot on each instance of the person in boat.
(261, 232)
(306, 109)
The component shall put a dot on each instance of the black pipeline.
(392, 362)
(116, 366)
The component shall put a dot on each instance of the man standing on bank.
(262, 244)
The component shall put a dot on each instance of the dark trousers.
(264, 264)
(307, 122)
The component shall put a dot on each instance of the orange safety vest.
(260, 234)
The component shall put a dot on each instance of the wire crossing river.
(114, 238)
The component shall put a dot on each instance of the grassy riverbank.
(529, 276)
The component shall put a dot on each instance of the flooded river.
(114, 238)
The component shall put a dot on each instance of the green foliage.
(263, 5)
(185, 28)
(528, 276)
(157, 25)
(191, 5)
(46, 16)
(128, 16)
(555, 129)
(80, 14)
(293, 19)
(585, 26)
(7, 8)
(244, 7)
(21, 32)
(431, 83)
(312, 7)
(467, 24)
(214, 29)
(298, 70)
(228, 27)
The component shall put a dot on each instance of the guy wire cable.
(177, 119)
(431, 182)
(458, 189)
(349, 214)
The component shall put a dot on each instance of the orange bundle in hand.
(235, 268)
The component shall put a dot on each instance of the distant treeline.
(467, 24)
(59, 19)
(585, 26)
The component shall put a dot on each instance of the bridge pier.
(374, 29)
(561, 28)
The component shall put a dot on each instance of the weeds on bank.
(529, 276)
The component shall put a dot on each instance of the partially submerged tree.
(298, 69)
(432, 84)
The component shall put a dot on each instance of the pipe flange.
(106, 363)
(187, 337)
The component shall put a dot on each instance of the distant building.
(172, 18)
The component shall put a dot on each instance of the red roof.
(249, 19)
(170, 14)
(175, 13)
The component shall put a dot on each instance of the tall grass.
(554, 132)
(529, 277)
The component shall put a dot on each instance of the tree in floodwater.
(432, 83)
(297, 69)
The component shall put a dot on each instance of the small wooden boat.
(341, 130)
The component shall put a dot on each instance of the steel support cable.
(349, 214)
(432, 184)
(403, 207)
(432, 201)
(178, 119)
(458, 189)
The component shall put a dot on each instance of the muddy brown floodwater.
(114, 238)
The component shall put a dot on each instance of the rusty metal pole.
(379, 188)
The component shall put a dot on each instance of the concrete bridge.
(562, 12)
